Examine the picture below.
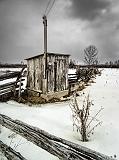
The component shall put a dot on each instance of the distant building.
(48, 74)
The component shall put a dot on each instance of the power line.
(49, 7)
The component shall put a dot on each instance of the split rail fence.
(56, 146)
(9, 89)
(72, 78)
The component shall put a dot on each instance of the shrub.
(81, 117)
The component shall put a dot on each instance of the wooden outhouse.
(48, 75)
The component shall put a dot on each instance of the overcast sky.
(72, 26)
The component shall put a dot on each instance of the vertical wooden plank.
(28, 74)
(19, 94)
(67, 66)
(55, 76)
(39, 73)
(36, 73)
(51, 74)
(32, 74)
(42, 71)
(48, 73)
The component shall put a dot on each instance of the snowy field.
(56, 119)
(4, 70)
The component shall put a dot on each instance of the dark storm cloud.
(93, 22)
(87, 9)
(18, 21)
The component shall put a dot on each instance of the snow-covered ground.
(9, 69)
(56, 119)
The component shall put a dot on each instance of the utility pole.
(45, 43)
(45, 52)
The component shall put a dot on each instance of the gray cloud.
(87, 9)
(21, 28)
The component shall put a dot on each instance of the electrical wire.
(47, 7)
(50, 7)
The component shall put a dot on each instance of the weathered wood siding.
(50, 73)
(30, 76)
(57, 73)
(35, 73)
(62, 63)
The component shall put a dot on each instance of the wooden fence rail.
(9, 153)
(59, 147)
(11, 88)
(10, 84)
(72, 78)
(9, 75)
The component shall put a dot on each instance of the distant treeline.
(100, 66)
(12, 65)
(110, 64)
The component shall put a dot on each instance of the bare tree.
(90, 55)
(82, 120)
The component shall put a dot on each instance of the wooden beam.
(9, 89)
(9, 153)
(9, 75)
(6, 85)
(38, 91)
(59, 147)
